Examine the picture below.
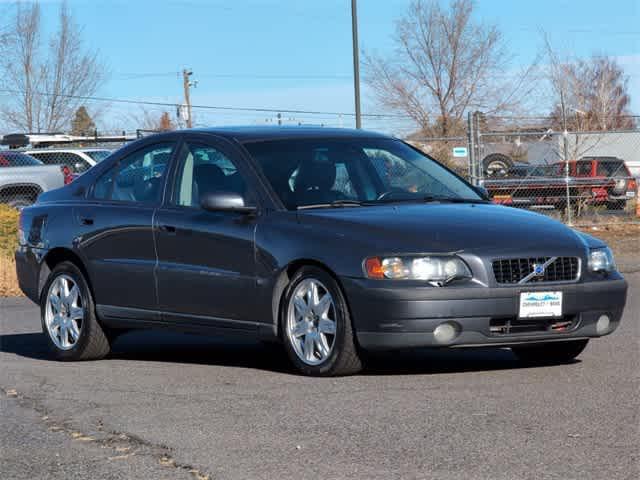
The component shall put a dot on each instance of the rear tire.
(326, 354)
(552, 352)
(68, 316)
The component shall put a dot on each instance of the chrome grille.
(514, 270)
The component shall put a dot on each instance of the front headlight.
(433, 268)
(601, 260)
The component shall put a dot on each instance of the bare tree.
(47, 80)
(588, 94)
(444, 65)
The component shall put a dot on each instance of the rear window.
(583, 169)
(98, 155)
(612, 169)
(17, 159)
(72, 160)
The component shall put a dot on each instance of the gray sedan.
(331, 242)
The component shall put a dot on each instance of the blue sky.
(297, 54)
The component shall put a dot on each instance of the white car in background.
(78, 160)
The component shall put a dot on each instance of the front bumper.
(403, 316)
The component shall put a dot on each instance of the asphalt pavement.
(165, 405)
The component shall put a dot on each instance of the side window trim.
(110, 171)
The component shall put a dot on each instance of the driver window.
(206, 170)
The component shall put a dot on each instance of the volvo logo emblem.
(538, 269)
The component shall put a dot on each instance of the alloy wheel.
(311, 322)
(64, 312)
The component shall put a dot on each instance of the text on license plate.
(540, 304)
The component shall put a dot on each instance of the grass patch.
(8, 243)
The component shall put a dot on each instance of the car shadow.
(159, 346)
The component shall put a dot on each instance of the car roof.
(248, 134)
(44, 150)
(592, 159)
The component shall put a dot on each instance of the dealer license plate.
(540, 304)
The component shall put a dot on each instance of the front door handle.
(86, 221)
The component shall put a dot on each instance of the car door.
(206, 267)
(116, 234)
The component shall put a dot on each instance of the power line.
(601, 30)
(253, 76)
(136, 76)
(206, 107)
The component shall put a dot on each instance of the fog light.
(445, 333)
(603, 324)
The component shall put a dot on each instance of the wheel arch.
(56, 256)
(283, 281)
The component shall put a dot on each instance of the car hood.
(443, 227)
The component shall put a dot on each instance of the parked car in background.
(597, 181)
(331, 241)
(23, 178)
(498, 156)
(78, 160)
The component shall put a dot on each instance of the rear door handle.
(86, 221)
(168, 228)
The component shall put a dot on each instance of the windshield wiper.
(334, 204)
(431, 198)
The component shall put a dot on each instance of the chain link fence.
(34, 163)
(581, 176)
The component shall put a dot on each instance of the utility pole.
(356, 61)
(472, 146)
(187, 84)
(565, 148)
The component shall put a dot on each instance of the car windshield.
(321, 172)
(16, 159)
(98, 155)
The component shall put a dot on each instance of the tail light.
(632, 185)
(68, 175)
(22, 238)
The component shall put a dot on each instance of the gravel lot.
(175, 406)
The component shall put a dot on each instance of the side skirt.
(134, 318)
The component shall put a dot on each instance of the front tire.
(68, 316)
(316, 325)
(548, 353)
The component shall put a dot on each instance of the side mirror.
(483, 192)
(225, 202)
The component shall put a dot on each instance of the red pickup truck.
(591, 180)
